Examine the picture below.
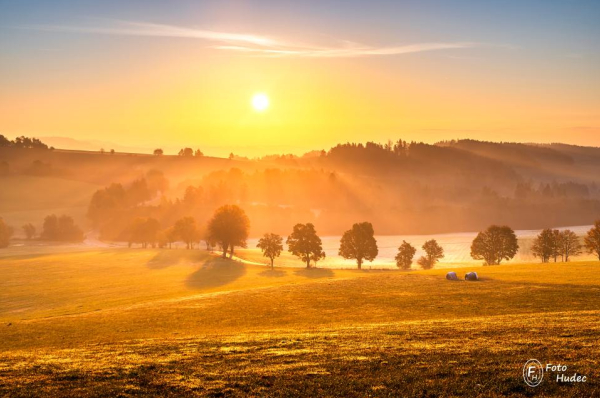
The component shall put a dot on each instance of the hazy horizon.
(145, 74)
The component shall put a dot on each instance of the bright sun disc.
(260, 102)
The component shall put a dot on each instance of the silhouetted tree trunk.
(225, 247)
(359, 262)
(272, 264)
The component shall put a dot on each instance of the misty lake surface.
(457, 248)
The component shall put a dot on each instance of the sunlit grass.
(178, 322)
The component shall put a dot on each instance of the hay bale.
(471, 276)
(451, 276)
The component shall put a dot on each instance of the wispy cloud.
(250, 43)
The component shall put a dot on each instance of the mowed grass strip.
(467, 357)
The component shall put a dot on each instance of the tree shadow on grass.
(166, 258)
(215, 272)
(269, 273)
(314, 272)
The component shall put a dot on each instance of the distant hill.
(401, 187)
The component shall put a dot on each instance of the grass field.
(132, 322)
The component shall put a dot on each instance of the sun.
(260, 102)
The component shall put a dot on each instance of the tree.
(570, 245)
(592, 239)
(170, 235)
(304, 243)
(433, 252)
(406, 253)
(359, 243)
(544, 245)
(317, 256)
(156, 181)
(29, 230)
(186, 152)
(144, 231)
(4, 142)
(229, 226)
(495, 244)
(557, 244)
(186, 230)
(61, 228)
(158, 152)
(6, 233)
(198, 153)
(271, 246)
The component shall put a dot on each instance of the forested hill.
(401, 187)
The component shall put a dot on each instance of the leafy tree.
(4, 142)
(495, 244)
(186, 152)
(557, 237)
(317, 256)
(156, 181)
(304, 243)
(271, 246)
(544, 245)
(158, 152)
(171, 235)
(61, 228)
(406, 253)
(229, 226)
(106, 203)
(433, 252)
(6, 233)
(569, 245)
(138, 192)
(592, 239)
(29, 230)
(198, 153)
(144, 231)
(359, 243)
(186, 230)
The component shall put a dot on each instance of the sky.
(146, 74)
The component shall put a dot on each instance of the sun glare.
(260, 102)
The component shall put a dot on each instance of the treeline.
(54, 228)
(22, 142)
(229, 228)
